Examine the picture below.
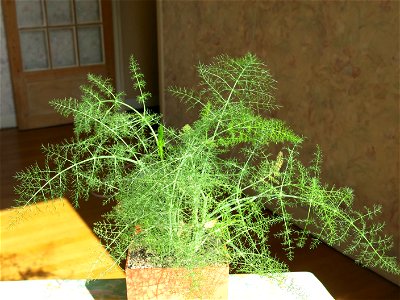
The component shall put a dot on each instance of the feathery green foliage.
(198, 195)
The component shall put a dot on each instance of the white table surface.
(288, 286)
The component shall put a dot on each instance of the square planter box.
(177, 283)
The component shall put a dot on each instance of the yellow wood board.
(50, 240)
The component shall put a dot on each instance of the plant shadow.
(107, 289)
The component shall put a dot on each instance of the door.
(52, 45)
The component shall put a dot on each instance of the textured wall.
(7, 111)
(337, 66)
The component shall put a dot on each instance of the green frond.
(316, 162)
(187, 96)
(39, 184)
(65, 107)
(104, 85)
(238, 79)
(139, 83)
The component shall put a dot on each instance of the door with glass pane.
(52, 45)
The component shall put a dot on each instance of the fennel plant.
(197, 195)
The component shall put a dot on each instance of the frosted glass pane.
(29, 13)
(34, 50)
(90, 45)
(59, 12)
(62, 47)
(87, 11)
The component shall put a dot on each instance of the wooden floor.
(342, 278)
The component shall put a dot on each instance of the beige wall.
(337, 66)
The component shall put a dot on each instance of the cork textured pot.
(177, 283)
